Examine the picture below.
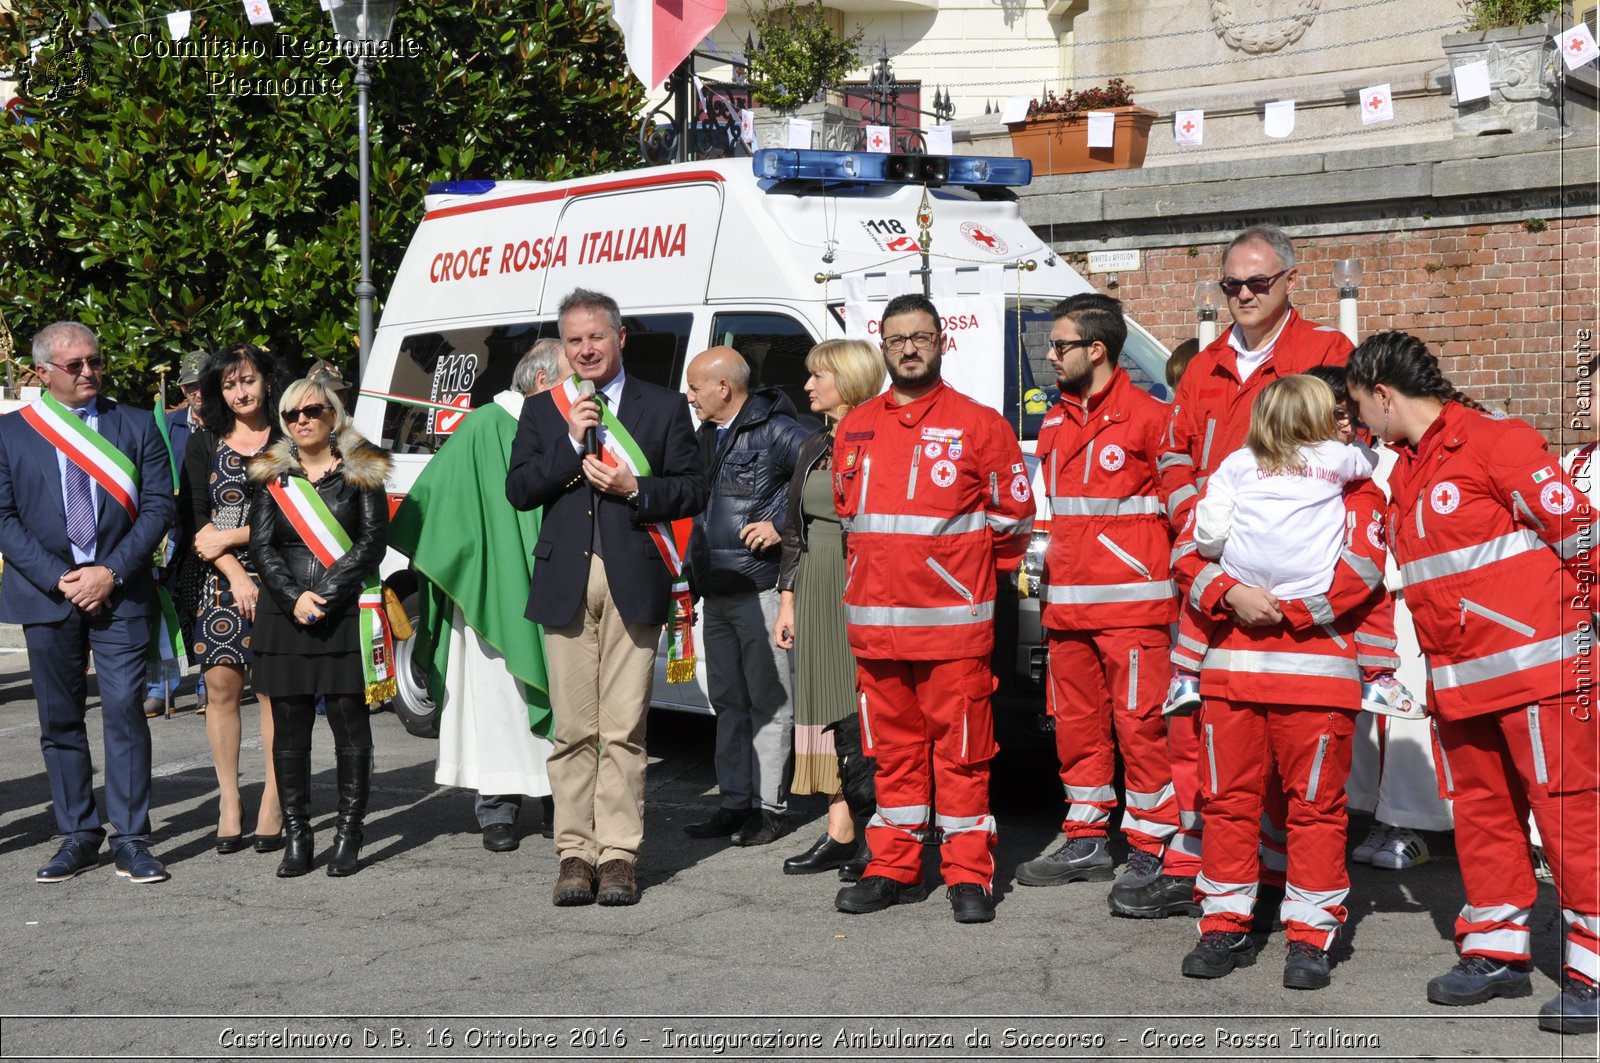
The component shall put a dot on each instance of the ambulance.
(755, 254)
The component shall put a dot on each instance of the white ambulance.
(750, 253)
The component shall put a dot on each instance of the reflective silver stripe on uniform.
(866, 722)
(1314, 782)
(1274, 859)
(866, 471)
(1364, 639)
(1211, 759)
(964, 824)
(1272, 832)
(1108, 593)
(1205, 451)
(1420, 533)
(1582, 960)
(1590, 923)
(902, 616)
(955, 584)
(1377, 660)
(1283, 663)
(902, 524)
(1338, 639)
(1139, 505)
(1009, 525)
(1444, 759)
(1052, 472)
(1311, 907)
(1521, 506)
(1541, 770)
(1179, 497)
(1122, 555)
(1234, 898)
(1089, 794)
(1183, 550)
(1185, 842)
(1320, 608)
(1510, 938)
(1193, 645)
(900, 817)
(1185, 662)
(1469, 558)
(1496, 913)
(1208, 575)
(1527, 631)
(1133, 682)
(1144, 802)
(1509, 662)
(994, 488)
(1172, 459)
(1190, 820)
(1153, 828)
(1575, 544)
(911, 480)
(1371, 572)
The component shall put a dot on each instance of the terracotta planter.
(1060, 143)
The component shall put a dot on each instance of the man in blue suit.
(85, 496)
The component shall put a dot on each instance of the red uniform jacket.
(934, 498)
(1211, 412)
(1108, 564)
(1496, 551)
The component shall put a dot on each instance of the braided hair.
(1404, 363)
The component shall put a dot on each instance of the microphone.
(591, 435)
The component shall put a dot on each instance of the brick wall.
(1502, 307)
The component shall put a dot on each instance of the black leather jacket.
(813, 449)
(749, 482)
(354, 494)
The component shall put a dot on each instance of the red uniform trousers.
(1496, 766)
(1311, 749)
(1184, 752)
(1113, 681)
(930, 727)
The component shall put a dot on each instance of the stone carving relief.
(1259, 26)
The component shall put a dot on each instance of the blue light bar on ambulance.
(782, 164)
(460, 188)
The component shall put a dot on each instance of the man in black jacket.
(609, 483)
(749, 443)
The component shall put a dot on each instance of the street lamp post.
(365, 23)
(1347, 275)
(1207, 300)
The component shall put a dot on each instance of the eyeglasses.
(923, 340)
(73, 368)
(1258, 284)
(1061, 347)
(313, 411)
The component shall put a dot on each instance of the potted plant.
(796, 59)
(1513, 38)
(1055, 135)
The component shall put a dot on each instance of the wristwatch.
(116, 578)
(632, 496)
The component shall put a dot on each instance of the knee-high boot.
(294, 794)
(355, 783)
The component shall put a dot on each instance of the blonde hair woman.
(827, 739)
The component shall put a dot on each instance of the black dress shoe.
(500, 838)
(135, 863)
(825, 855)
(970, 903)
(231, 843)
(762, 828)
(875, 893)
(722, 823)
(71, 860)
(269, 843)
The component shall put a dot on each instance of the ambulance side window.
(657, 347)
(463, 367)
(776, 346)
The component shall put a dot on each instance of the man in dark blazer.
(77, 579)
(600, 587)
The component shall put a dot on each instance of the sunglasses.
(1061, 347)
(312, 410)
(1258, 284)
(74, 368)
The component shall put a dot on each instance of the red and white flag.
(1189, 128)
(659, 34)
(259, 12)
(1377, 104)
(1577, 46)
(878, 138)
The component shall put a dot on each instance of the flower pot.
(1522, 80)
(1059, 143)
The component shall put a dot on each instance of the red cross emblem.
(256, 9)
(982, 237)
(1576, 44)
(1188, 125)
(1375, 103)
(877, 140)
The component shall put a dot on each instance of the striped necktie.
(80, 504)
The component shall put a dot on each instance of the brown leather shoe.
(574, 883)
(617, 885)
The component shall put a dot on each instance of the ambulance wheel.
(413, 704)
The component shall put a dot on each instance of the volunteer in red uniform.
(1210, 416)
(1108, 599)
(1496, 548)
(934, 498)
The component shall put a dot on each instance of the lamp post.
(1347, 275)
(1207, 300)
(366, 24)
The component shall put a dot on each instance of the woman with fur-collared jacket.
(318, 529)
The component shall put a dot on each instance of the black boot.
(355, 783)
(294, 795)
(858, 782)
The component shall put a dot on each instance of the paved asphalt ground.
(438, 949)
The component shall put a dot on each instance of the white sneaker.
(1403, 850)
(1387, 696)
(1183, 696)
(1541, 866)
(1372, 843)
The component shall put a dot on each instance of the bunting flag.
(259, 12)
(660, 34)
(1377, 104)
(178, 23)
(1577, 46)
(1189, 128)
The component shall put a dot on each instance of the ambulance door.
(775, 345)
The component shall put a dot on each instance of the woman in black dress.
(239, 390)
(318, 528)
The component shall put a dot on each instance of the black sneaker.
(970, 903)
(1475, 979)
(1306, 967)
(1079, 860)
(875, 893)
(1158, 898)
(1573, 1010)
(1218, 954)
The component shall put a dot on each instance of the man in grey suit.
(85, 496)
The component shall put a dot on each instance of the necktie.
(80, 504)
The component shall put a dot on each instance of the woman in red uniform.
(1496, 550)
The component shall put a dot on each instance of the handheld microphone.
(591, 435)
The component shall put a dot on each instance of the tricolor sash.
(166, 640)
(87, 449)
(619, 449)
(323, 535)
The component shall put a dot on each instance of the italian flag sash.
(621, 449)
(87, 449)
(311, 519)
(166, 643)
